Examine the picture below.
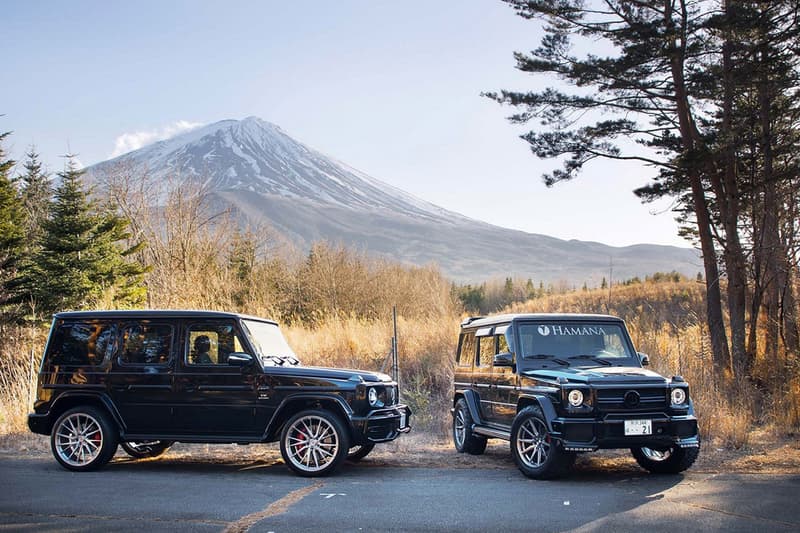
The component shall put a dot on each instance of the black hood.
(599, 375)
(332, 374)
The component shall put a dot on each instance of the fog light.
(575, 398)
(678, 396)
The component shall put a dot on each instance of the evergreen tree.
(36, 193)
(81, 263)
(12, 236)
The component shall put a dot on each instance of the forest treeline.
(706, 93)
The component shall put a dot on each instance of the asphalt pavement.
(167, 495)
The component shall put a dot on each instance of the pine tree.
(12, 236)
(81, 263)
(36, 193)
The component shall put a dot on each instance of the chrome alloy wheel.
(312, 443)
(79, 439)
(459, 428)
(533, 442)
(657, 455)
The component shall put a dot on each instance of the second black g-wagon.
(147, 379)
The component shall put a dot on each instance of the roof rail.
(470, 319)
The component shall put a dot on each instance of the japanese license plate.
(638, 427)
(402, 419)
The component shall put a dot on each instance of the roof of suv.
(156, 313)
(562, 317)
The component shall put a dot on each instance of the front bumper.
(592, 434)
(382, 425)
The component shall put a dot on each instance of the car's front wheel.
(463, 438)
(314, 443)
(83, 438)
(146, 449)
(671, 460)
(535, 451)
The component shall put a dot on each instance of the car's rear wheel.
(146, 448)
(314, 443)
(536, 453)
(356, 453)
(671, 460)
(83, 438)
(464, 439)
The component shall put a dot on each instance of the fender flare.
(472, 403)
(343, 409)
(89, 397)
(544, 403)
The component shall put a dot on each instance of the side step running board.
(489, 432)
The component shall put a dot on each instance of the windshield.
(268, 341)
(578, 343)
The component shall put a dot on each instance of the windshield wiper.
(548, 356)
(592, 358)
(274, 358)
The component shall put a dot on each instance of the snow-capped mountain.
(270, 177)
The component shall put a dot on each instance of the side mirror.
(643, 358)
(240, 359)
(504, 359)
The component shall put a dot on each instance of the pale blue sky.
(391, 88)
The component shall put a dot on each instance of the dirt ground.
(767, 453)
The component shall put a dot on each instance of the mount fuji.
(269, 177)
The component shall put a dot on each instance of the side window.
(82, 343)
(210, 343)
(146, 344)
(487, 348)
(502, 344)
(466, 353)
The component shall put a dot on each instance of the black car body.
(146, 379)
(558, 384)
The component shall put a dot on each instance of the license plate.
(402, 420)
(638, 427)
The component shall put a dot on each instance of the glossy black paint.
(168, 399)
(496, 393)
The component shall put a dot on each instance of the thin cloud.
(128, 142)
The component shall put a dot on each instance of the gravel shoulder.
(766, 453)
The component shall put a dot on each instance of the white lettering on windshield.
(571, 330)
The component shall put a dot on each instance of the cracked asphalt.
(262, 496)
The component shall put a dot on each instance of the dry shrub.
(20, 352)
(425, 346)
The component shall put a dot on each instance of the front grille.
(632, 399)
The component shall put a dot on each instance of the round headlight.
(372, 396)
(575, 398)
(678, 396)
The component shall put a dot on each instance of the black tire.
(357, 453)
(146, 449)
(535, 452)
(464, 439)
(314, 443)
(672, 460)
(84, 438)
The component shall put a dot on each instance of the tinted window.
(146, 344)
(210, 343)
(82, 343)
(487, 351)
(466, 353)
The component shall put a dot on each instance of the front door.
(214, 398)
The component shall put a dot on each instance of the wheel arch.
(542, 402)
(69, 400)
(295, 403)
(471, 398)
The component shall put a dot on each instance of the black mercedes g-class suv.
(555, 385)
(146, 379)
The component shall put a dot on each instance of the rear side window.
(146, 344)
(82, 343)
(466, 352)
